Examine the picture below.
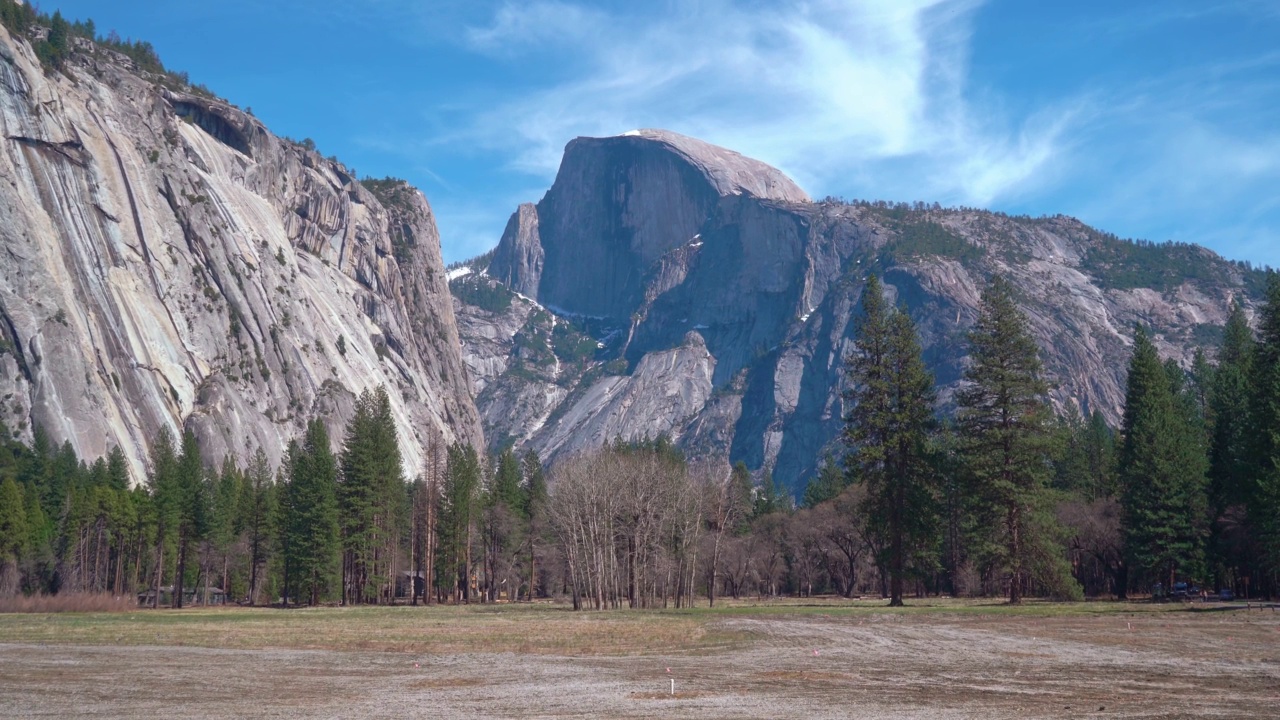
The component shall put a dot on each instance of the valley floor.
(811, 660)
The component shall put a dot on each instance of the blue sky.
(1156, 120)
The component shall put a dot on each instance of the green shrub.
(481, 292)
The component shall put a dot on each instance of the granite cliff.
(168, 262)
(721, 300)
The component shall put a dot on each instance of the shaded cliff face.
(170, 263)
(653, 253)
(618, 206)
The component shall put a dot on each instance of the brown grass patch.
(682, 695)
(803, 675)
(68, 602)
(437, 629)
(442, 683)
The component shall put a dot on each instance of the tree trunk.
(466, 574)
(429, 550)
(180, 576)
(1015, 546)
(155, 601)
(533, 571)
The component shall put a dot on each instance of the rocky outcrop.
(518, 259)
(657, 244)
(618, 205)
(170, 263)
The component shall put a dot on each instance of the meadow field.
(811, 659)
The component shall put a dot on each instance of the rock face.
(617, 207)
(688, 261)
(170, 263)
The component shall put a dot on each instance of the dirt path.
(1224, 664)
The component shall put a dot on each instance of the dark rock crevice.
(71, 150)
(11, 342)
(210, 118)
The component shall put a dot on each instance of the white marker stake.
(673, 686)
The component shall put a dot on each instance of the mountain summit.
(618, 205)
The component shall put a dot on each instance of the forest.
(1003, 498)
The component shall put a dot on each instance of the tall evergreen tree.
(14, 534)
(117, 469)
(506, 483)
(830, 481)
(1004, 425)
(888, 431)
(535, 509)
(192, 511)
(1162, 471)
(766, 500)
(165, 486)
(504, 520)
(257, 513)
(457, 520)
(372, 499)
(308, 516)
(1229, 461)
(1200, 383)
(1264, 496)
(225, 523)
(1100, 454)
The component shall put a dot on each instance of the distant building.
(406, 580)
(190, 596)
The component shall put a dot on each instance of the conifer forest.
(997, 497)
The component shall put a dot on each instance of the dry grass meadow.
(813, 659)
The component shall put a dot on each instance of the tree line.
(324, 526)
(1001, 497)
(1007, 498)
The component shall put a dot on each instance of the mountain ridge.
(174, 265)
(770, 286)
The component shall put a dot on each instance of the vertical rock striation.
(169, 263)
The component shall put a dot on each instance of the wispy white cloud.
(1193, 155)
(821, 89)
(867, 98)
(516, 28)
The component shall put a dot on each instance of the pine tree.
(888, 431)
(192, 512)
(117, 469)
(225, 519)
(739, 499)
(53, 51)
(1264, 495)
(1100, 454)
(535, 509)
(1162, 471)
(1004, 425)
(257, 511)
(506, 483)
(1070, 463)
(14, 534)
(1229, 462)
(372, 500)
(307, 516)
(165, 486)
(503, 520)
(830, 481)
(766, 499)
(457, 520)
